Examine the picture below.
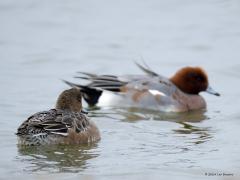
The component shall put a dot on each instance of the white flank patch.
(156, 92)
(108, 99)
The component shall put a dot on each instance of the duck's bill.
(210, 90)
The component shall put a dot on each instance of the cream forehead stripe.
(156, 92)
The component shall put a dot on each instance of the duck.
(66, 124)
(178, 93)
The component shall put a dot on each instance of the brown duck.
(66, 124)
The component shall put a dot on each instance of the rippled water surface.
(42, 42)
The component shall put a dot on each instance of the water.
(42, 42)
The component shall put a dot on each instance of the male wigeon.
(151, 91)
(66, 124)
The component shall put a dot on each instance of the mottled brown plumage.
(66, 124)
(70, 100)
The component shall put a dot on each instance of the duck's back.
(57, 127)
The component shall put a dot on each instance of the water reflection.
(57, 158)
(193, 133)
(202, 134)
(136, 114)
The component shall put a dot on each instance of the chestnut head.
(192, 80)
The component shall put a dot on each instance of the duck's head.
(192, 80)
(70, 99)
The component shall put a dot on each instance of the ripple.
(136, 114)
(56, 158)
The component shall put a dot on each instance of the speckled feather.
(38, 128)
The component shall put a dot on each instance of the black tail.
(90, 95)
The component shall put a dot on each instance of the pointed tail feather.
(146, 69)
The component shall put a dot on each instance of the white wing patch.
(156, 92)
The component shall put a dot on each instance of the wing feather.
(53, 122)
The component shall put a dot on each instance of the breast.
(186, 102)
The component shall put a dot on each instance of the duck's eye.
(199, 78)
(196, 77)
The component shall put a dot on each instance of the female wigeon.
(151, 91)
(66, 124)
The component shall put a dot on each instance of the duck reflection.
(199, 135)
(57, 158)
(189, 121)
(136, 114)
(193, 133)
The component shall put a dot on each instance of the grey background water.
(42, 42)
